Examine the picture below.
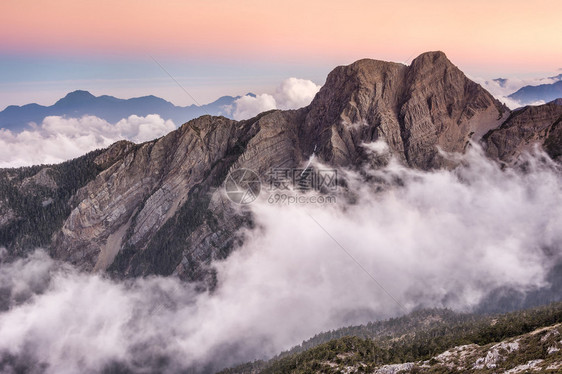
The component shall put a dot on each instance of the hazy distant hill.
(112, 109)
(544, 92)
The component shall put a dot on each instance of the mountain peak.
(368, 71)
(432, 61)
(76, 97)
(432, 56)
(79, 94)
(415, 108)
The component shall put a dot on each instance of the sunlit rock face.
(156, 207)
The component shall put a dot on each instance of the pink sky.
(515, 35)
(225, 47)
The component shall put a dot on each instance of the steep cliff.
(415, 109)
(526, 128)
(156, 207)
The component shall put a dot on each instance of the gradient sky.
(217, 47)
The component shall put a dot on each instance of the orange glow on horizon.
(515, 34)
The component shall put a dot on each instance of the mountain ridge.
(414, 108)
(112, 109)
(155, 208)
(543, 92)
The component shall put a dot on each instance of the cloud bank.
(248, 106)
(431, 239)
(292, 93)
(58, 139)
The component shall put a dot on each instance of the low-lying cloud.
(59, 139)
(430, 239)
(292, 93)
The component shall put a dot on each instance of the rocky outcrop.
(153, 210)
(416, 109)
(42, 178)
(525, 129)
(7, 215)
(156, 208)
(523, 354)
(130, 202)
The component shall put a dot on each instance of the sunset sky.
(219, 47)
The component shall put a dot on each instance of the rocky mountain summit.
(415, 109)
(156, 207)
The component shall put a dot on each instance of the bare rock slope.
(155, 208)
(525, 129)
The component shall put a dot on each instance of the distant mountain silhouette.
(112, 109)
(544, 92)
(501, 81)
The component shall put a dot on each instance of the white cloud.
(377, 147)
(58, 138)
(292, 93)
(249, 106)
(441, 238)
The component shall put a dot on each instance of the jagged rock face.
(444, 109)
(525, 129)
(359, 103)
(127, 216)
(43, 178)
(128, 203)
(156, 208)
(415, 109)
(6, 214)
